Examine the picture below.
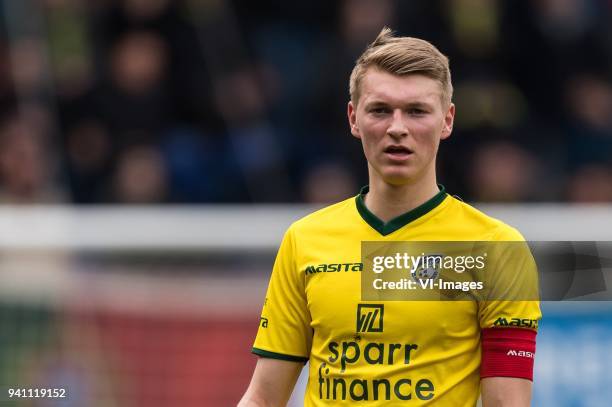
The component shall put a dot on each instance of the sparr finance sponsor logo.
(337, 383)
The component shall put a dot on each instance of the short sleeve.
(514, 300)
(284, 329)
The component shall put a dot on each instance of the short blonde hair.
(402, 56)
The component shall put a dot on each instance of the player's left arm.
(505, 392)
(509, 323)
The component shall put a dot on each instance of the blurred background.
(159, 101)
(152, 152)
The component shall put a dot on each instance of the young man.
(442, 353)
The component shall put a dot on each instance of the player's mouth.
(398, 152)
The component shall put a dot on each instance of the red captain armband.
(508, 352)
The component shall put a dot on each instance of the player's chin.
(398, 176)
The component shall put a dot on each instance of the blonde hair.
(402, 56)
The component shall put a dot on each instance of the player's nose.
(397, 128)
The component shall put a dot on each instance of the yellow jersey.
(377, 353)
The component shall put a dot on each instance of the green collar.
(400, 221)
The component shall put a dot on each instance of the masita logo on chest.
(333, 268)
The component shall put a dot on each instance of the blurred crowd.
(213, 101)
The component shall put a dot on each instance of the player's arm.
(509, 323)
(505, 392)
(506, 368)
(284, 333)
(272, 383)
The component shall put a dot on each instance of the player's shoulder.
(328, 217)
(482, 223)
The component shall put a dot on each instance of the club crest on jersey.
(370, 317)
(428, 268)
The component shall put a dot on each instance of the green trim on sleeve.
(280, 356)
(400, 221)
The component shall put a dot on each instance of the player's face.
(400, 121)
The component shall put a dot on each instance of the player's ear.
(352, 118)
(449, 119)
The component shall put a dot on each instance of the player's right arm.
(272, 383)
(284, 336)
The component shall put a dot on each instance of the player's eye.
(379, 110)
(417, 112)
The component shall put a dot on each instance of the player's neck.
(388, 201)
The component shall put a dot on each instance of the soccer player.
(375, 353)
